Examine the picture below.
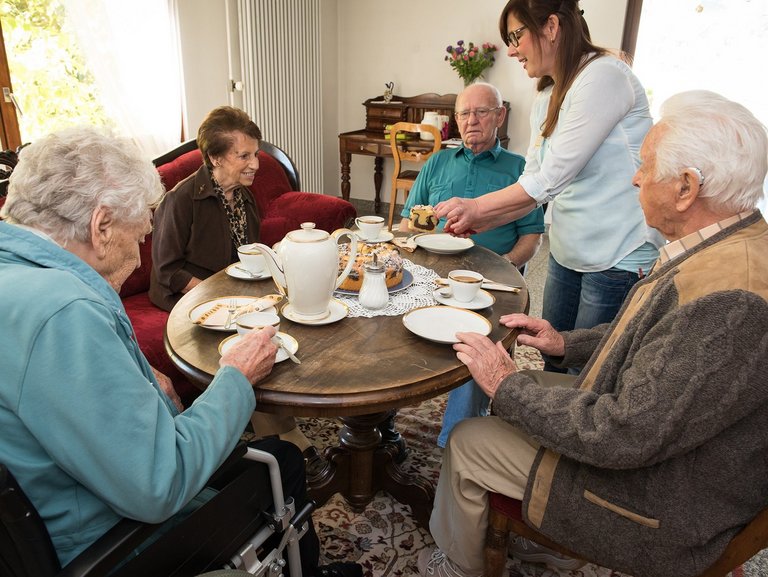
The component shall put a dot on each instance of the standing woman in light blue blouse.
(588, 121)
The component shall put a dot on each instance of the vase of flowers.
(470, 61)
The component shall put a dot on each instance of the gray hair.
(722, 139)
(491, 88)
(62, 178)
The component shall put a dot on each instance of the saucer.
(236, 271)
(290, 343)
(384, 236)
(338, 310)
(483, 299)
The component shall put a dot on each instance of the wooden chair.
(401, 151)
(505, 517)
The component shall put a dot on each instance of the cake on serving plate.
(386, 254)
(423, 218)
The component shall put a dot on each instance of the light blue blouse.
(585, 169)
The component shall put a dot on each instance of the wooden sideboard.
(371, 141)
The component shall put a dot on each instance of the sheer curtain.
(132, 49)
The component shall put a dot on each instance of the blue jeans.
(582, 300)
(466, 401)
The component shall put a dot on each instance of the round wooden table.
(357, 369)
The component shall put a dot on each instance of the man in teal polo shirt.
(477, 168)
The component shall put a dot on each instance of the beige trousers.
(483, 454)
(266, 424)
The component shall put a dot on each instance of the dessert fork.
(231, 308)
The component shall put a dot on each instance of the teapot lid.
(308, 233)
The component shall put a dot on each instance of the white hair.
(722, 139)
(490, 88)
(62, 178)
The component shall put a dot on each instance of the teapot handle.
(337, 234)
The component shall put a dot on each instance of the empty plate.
(441, 323)
(443, 243)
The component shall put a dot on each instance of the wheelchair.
(247, 528)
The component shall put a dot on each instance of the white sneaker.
(527, 550)
(435, 563)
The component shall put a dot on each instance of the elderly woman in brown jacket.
(201, 222)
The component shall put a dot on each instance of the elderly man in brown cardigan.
(653, 458)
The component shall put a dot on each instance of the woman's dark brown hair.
(215, 138)
(575, 43)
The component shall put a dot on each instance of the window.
(701, 44)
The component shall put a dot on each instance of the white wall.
(203, 38)
(370, 56)
(360, 54)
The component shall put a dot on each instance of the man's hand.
(536, 333)
(253, 355)
(167, 387)
(488, 363)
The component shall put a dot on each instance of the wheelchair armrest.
(115, 545)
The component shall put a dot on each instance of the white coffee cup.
(464, 284)
(256, 321)
(370, 226)
(251, 258)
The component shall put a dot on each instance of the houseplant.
(470, 61)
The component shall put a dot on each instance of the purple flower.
(460, 43)
(449, 49)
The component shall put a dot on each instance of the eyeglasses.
(514, 36)
(479, 113)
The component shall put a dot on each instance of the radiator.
(281, 74)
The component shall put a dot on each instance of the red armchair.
(281, 208)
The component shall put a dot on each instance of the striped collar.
(681, 246)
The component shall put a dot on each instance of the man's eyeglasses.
(480, 113)
(514, 36)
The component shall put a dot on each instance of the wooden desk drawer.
(362, 147)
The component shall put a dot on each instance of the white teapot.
(306, 268)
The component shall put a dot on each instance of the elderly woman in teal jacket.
(90, 431)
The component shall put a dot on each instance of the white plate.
(482, 300)
(403, 284)
(337, 311)
(440, 323)
(384, 236)
(290, 343)
(443, 243)
(235, 271)
(203, 307)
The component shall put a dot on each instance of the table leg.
(346, 159)
(361, 465)
(378, 163)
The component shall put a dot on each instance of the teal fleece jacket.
(86, 430)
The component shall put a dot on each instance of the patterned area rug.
(384, 538)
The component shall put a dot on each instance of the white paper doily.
(419, 294)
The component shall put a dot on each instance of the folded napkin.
(217, 315)
(407, 244)
(487, 285)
